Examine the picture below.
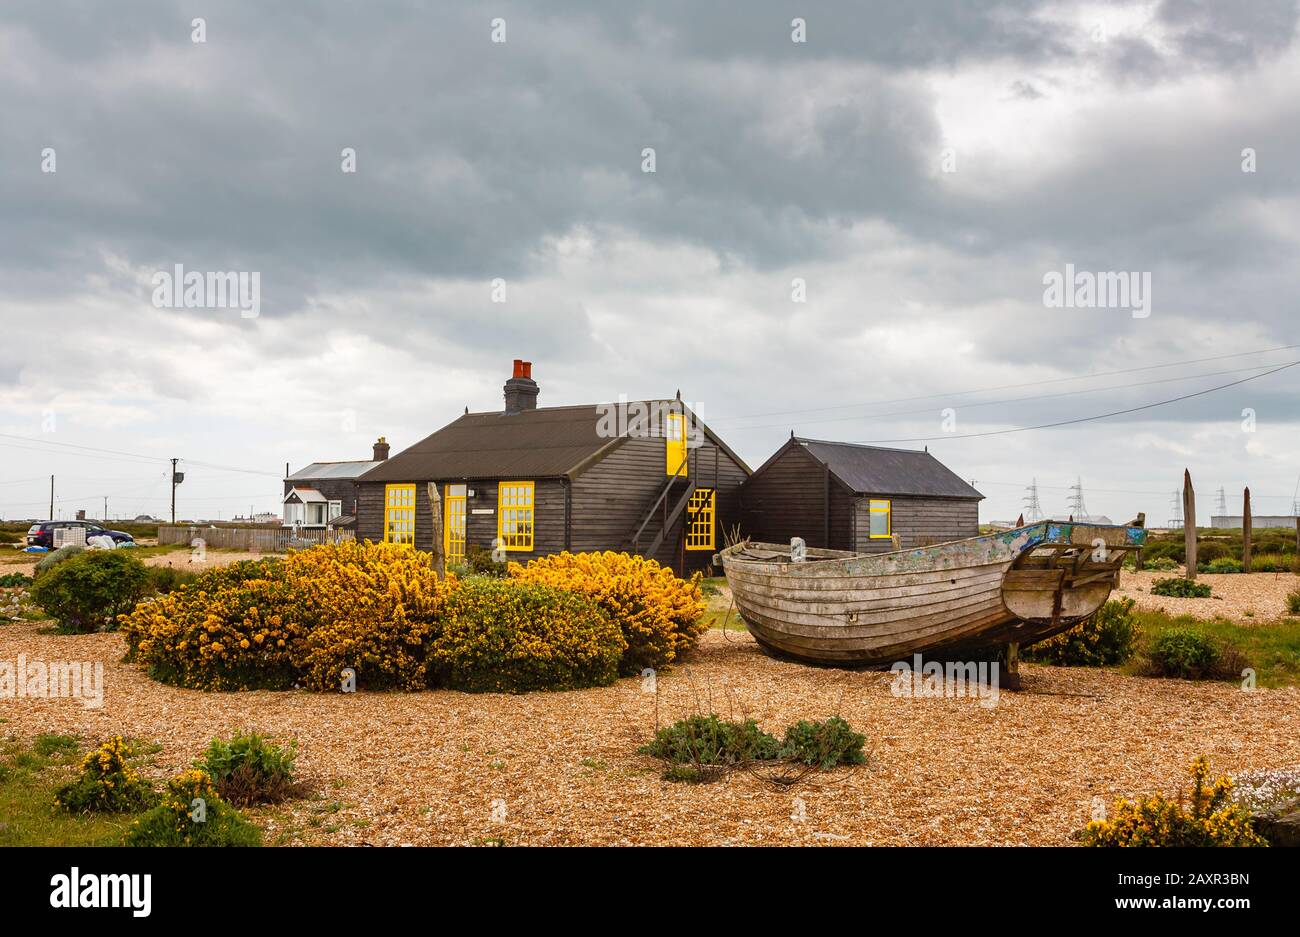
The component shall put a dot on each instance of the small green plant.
(1224, 564)
(248, 769)
(1103, 639)
(107, 783)
(1273, 563)
(192, 813)
(88, 592)
(708, 740)
(824, 744)
(1162, 564)
(13, 580)
(1293, 602)
(1175, 587)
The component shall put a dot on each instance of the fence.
(252, 539)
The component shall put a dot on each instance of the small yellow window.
(515, 515)
(699, 519)
(881, 525)
(399, 514)
(675, 444)
(453, 533)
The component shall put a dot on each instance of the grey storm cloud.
(226, 155)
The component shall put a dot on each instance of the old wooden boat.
(1010, 588)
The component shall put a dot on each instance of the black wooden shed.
(844, 496)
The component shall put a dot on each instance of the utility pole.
(175, 481)
(51, 497)
(105, 509)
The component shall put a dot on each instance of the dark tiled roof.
(874, 470)
(542, 443)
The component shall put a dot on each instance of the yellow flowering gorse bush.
(659, 614)
(299, 621)
(1209, 820)
(106, 782)
(192, 813)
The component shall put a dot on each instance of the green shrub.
(248, 769)
(1272, 563)
(192, 813)
(167, 579)
(1188, 654)
(1164, 549)
(54, 558)
(507, 636)
(1177, 587)
(824, 744)
(1293, 602)
(708, 740)
(481, 562)
(1162, 564)
(1207, 553)
(88, 592)
(106, 784)
(1103, 639)
(13, 580)
(1224, 564)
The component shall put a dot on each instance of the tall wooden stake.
(435, 512)
(1245, 531)
(1189, 523)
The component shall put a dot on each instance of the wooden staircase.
(659, 518)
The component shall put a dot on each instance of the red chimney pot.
(528, 370)
(519, 368)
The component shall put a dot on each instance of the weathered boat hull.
(854, 609)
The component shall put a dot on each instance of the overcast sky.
(919, 167)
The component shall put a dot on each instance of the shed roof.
(546, 442)
(877, 470)
(322, 470)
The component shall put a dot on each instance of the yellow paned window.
(881, 523)
(399, 513)
(699, 519)
(675, 444)
(515, 515)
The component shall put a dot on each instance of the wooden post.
(435, 512)
(1013, 666)
(1189, 523)
(1245, 531)
(1297, 536)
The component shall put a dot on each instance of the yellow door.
(453, 525)
(675, 444)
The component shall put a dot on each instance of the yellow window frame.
(453, 527)
(880, 506)
(515, 515)
(675, 444)
(700, 519)
(399, 513)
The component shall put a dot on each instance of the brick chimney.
(381, 450)
(521, 390)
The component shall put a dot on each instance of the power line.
(1084, 419)
(982, 390)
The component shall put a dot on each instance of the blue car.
(42, 534)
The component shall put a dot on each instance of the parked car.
(42, 534)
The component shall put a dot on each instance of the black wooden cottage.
(641, 476)
(848, 497)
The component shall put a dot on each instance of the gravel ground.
(446, 767)
(1263, 595)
